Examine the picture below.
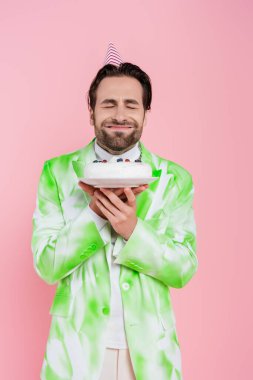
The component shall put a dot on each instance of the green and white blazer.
(70, 251)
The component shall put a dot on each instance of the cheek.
(138, 117)
(139, 121)
(103, 116)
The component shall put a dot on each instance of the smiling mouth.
(119, 127)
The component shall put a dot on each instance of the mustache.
(119, 124)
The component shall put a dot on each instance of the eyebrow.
(113, 101)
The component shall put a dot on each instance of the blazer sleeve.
(59, 247)
(166, 248)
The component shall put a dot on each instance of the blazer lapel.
(86, 154)
(150, 202)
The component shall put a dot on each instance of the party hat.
(112, 56)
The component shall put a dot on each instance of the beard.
(118, 141)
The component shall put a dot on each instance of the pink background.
(199, 57)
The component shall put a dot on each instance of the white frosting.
(120, 169)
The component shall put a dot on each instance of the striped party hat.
(112, 56)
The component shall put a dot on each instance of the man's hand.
(90, 190)
(121, 215)
(118, 191)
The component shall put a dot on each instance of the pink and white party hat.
(112, 56)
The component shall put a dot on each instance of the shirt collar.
(102, 154)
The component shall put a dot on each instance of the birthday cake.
(118, 168)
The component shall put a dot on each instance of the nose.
(120, 114)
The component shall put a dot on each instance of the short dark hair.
(124, 69)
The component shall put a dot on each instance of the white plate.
(117, 182)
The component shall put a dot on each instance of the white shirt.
(116, 336)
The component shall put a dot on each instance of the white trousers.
(117, 365)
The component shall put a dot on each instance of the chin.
(118, 143)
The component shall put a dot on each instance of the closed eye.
(132, 108)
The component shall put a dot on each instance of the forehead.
(116, 87)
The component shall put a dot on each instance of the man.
(114, 253)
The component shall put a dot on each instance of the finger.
(144, 187)
(130, 196)
(87, 188)
(115, 200)
(106, 203)
(137, 190)
(118, 191)
(104, 210)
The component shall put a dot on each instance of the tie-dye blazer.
(70, 251)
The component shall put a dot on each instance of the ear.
(145, 118)
(91, 116)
